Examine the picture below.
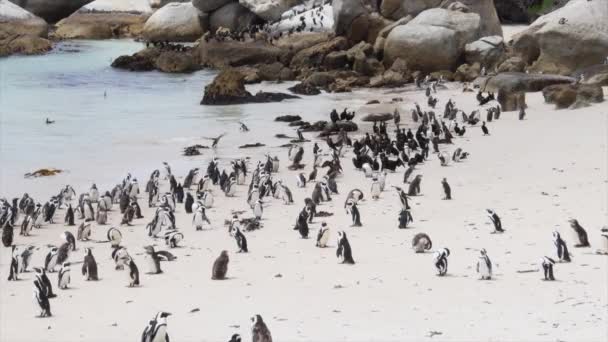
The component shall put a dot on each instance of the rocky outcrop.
(513, 11)
(512, 64)
(175, 62)
(314, 55)
(275, 72)
(490, 24)
(573, 95)
(157, 59)
(177, 22)
(232, 53)
(269, 10)
(207, 6)
(511, 100)
(228, 87)
(396, 9)
(234, 17)
(487, 51)
(595, 74)
(51, 10)
(582, 39)
(24, 44)
(351, 19)
(104, 19)
(434, 40)
(14, 20)
(522, 82)
(467, 73)
(305, 88)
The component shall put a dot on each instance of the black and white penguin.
(286, 194)
(447, 190)
(241, 241)
(50, 261)
(63, 278)
(114, 237)
(375, 190)
(84, 232)
(173, 237)
(495, 221)
(235, 338)
(353, 210)
(132, 272)
(40, 274)
(188, 203)
(414, 189)
(561, 247)
(258, 210)
(70, 239)
(14, 267)
(69, 216)
(220, 266)
(344, 251)
(156, 330)
(302, 223)
(259, 330)
(441, 261)
(179, 193)
(484, 128)
(199, 218)
(94, 194)
(421, 243)
(152, 260)
(547, 264)
(484, 265)
(26, 225)
(522, 113)
(102, 214)
(323, 236)
(41, 298)
(301, 180)
(405, 217)
(89, 266)
(581, 234)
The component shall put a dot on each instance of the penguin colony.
(375, 155)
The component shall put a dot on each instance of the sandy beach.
(536, 174)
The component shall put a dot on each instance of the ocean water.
(110, 122)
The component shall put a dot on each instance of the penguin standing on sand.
(522, 113)
(114, 236)
(63, 278)
(45, 282)
(69, 238)
(581, 234)
(220, 266)
(323, 236)
(241, 241)
(414, 189)
(484, 128)
(495, 221)
(102, 214)
(344, 251)
(258, 210)
(156, 331)
(84, 232)
(69, 216)
(14, 267)
(188, 203)
(562, 248)
(41, 298)
(200, 218)
(446, 189)
(376, 190)
(351, 208)
(89, 266)
(153, 260)
(132, 272)
(301, 180)
(259, 330)
(405, 217)
(547, 264)
(484, 265)
(441, 261)
(50, 261)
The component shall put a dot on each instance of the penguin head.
(483, 252)
(162, 315)
(257, 319)
(446, 251)
(556, 235)
(235, 338)
(87, 251)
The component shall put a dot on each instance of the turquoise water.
(142, 120)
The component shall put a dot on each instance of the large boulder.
(490, 24)
(209, 5)
(233, 53)
(104, 19)
(573, 95)
(51, 10)
(582, 39)
(234, 17)
(434, 40)
(176, 62)
(24, 44)
(397, 9)
(487, 51)
(314, 55)
(177, 22)
(228, 87)
(512, 64)
(513, 11)
(269, 10)
(595, 74)
(158, 59)
(14, 20)
(522, 82)
(467, 73)
(350, 19)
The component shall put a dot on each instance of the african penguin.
(344, 252)
(220, 267)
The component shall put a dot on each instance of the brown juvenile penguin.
(220, 267)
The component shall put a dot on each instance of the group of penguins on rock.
(374, 155)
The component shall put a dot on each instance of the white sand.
(391, 294)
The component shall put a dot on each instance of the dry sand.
(536, 174)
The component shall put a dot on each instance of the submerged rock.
(228, 87)
(288, 118)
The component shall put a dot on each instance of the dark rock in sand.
(315, 127)
(282, 136)
(377, 117)
(510, 101)
(333, 128)
(228, 87)
(573, 96)
(298, 123)
(373, 102)
(252, 145)
(232, 53)
(288, 118)
(305, 88)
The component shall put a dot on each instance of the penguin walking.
(44, 281)
(344, 251)
(414, 189)
(69, 216)
(562, 248)
(301, 180)
(14, 267)
(441, 261)
(63, 279)
(41, 298)
(50, 261)
(153, 260)
(376, 190)
(323, 236)
(27, 225)
(156, 330)
(495, 221)
(547, 264)
(581, 234)
(132, 272)
(200, 218)
(446, 189)
(188, 203)
(220, 267)
(484, 265)
(351, 208)
(484, 128)
(89, 266)
(258, 209)
(241, 241)
(405, 217)
(259, 330)
(84, 232)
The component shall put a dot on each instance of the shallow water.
(110, 122)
